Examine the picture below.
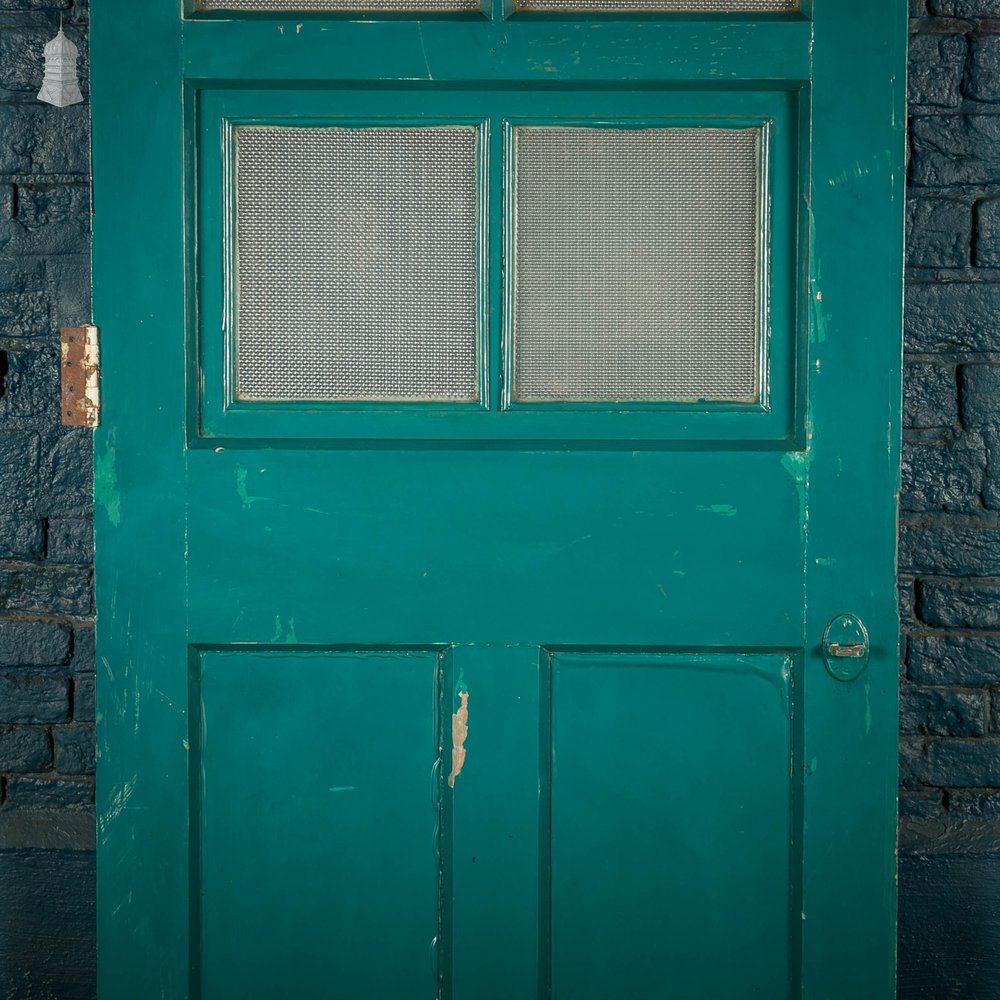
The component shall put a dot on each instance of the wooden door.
(498, 471)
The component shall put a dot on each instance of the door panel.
(476, 651)
(347, 742)
(671, 781)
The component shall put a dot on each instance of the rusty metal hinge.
(81, 376)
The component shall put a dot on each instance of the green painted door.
(501, 427)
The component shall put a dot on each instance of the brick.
(21, 538)
(991, 482)
(983, 80)
(943, 477)
(84, 689)
(952, 316)
(40, 140)
(929, 396)
(24, 315)
(980, 396)
(24, 749)
(84, 659)
(955, 149)
(906, 601)
(31, 387)
(33, 644)
(946, 550)
(951, 763)
(986, 238)
(33, 698)
(974, 805)
(19, 473)
(936, 68)
(938, 232)
(48, 793)
(957, 604)
(920, 804)
(71, 540)
(66, 472)
(74, 749)
(69, 288)
(35, 4)
(959, 660)
(965, 8)
(931, 712)
(63, 590)
(53, 219)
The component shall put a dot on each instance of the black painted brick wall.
(949, 558)
(950, 521)
(46, 547)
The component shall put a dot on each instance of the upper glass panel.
(356, 263)
(637, 264)
(668, 6)
(332, 6)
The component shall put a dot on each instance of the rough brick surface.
(946, 550)
(943, 713)
(959, 604)
(943, 477)
(937, 65)
(939, 232)
(48, 793)
(25, 749)
(929, 398)
(971, 661)
(74, 749)
(986, 249)
(953, 317)
(33, 698)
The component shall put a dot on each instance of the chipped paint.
(106, 493)
(459, 734)
(343, 788)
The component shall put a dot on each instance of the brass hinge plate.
(81, 376)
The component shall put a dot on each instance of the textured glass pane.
(636, 264)
(356, 263)
(675, 6)
(304, 6)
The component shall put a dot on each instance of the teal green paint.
(516, 555)
(106, 493)
(868, 705)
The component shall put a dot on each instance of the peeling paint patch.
(459, 734)
(241, 488)
(796, 464)
(725, 509)
(282, 634)
(106, 486)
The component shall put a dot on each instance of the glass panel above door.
(333, 6)
(637, 264)
(356, 263)
(664, 6)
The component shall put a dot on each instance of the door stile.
(141, 499)
(855, 292)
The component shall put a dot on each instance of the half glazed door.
(504, 401)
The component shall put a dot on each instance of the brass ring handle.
(855, 649)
